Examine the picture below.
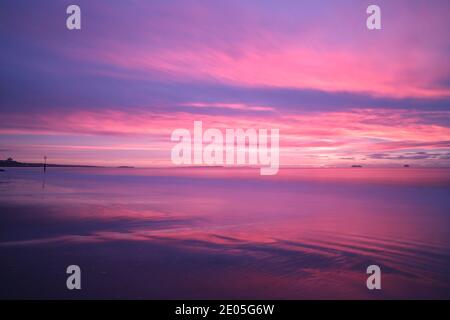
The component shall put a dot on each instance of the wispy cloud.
(320, 138)
(337, 92)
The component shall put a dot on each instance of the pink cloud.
(408, 59)
(320, 138)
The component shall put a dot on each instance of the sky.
(113, 92)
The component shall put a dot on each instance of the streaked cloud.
(338, 92)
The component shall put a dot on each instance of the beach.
(225, 233)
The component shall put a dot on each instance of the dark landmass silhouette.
(12, 163)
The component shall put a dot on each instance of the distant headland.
(10, 162)
(13, 163)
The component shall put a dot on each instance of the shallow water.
(225, 233)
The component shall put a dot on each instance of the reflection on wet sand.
(221, 233)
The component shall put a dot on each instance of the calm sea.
(225, 233)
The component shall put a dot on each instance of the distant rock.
(356, 166)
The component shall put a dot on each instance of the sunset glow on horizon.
(225, 155)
